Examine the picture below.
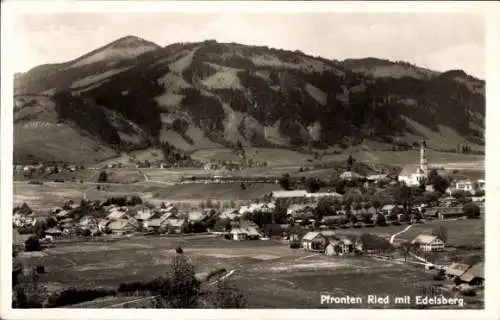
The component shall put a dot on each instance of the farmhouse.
(428, 242)
(465, 185)
(340, 247)
(289, 194)
(314, 241)
(456, 270)
(174, 225)
(451, 213)
(317, 195)
(350, 175)
(475, 275)
(238, 234)
(121, 227)
(54, 233)
(371, 243)
(144, 213)
(116, 213)
(89, 222)
(377, 177)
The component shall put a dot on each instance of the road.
(400, 232)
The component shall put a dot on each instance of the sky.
(438, 41)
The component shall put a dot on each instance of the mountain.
(133, 94)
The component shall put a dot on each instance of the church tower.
(423, 159)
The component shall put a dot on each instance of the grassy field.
(270, 274)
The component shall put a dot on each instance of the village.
(357, 215)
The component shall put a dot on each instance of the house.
(89, 222)
(238, 234)
(196, 216)
(174, 225)
(475, 275)
(121, 227)
(169, 211)
(465, 185)
(377, 177)
(54, 233)
(350, 175)
(387, 209)
(340, 247)
(371, 243)
(318, 195)
(229, 214)
(62, 214)
(116, 213)
(289, 194)
(314, 241)
(481, 184)
(102, 224)
(429, 242)
(456, 270)
(144, 213)
(451, 213)
(300, 210)
(333, 220)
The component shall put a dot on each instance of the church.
(412, 176)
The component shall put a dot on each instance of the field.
(270, 274)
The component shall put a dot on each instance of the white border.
(489, 9)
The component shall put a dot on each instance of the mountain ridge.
(191, 95)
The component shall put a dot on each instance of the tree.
(440, 184)
(340, 186)
(32, 244)
(312, 185)
(353, 219)
(472, 211)
(441, 233)
(380, 220)
(403, 195)
(103, 177)
(226, 296)
(180, 288)
(404, 249)
(432, 173)
(350, 162)
(51, 222)
(284, 182)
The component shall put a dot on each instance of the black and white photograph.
(217, 157)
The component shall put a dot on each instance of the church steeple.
(423, 159)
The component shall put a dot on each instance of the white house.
(429, 242)
(465, 185)
(314, 241)
(284, 194)
(350, 175)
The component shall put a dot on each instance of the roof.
(328, 233)
(289, 193)
(424, 239)
(53, 231)
(408, 170)
(388, 207)
(476, 271)
(174, 222)
(144, 215)
(457, 269)
(373, 242)
(311, 235)
(324, 194)
(116, 214)
(119, 224)
(350, 174)
(155, 222)
(377, 176)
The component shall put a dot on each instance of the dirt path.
(400, 232)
